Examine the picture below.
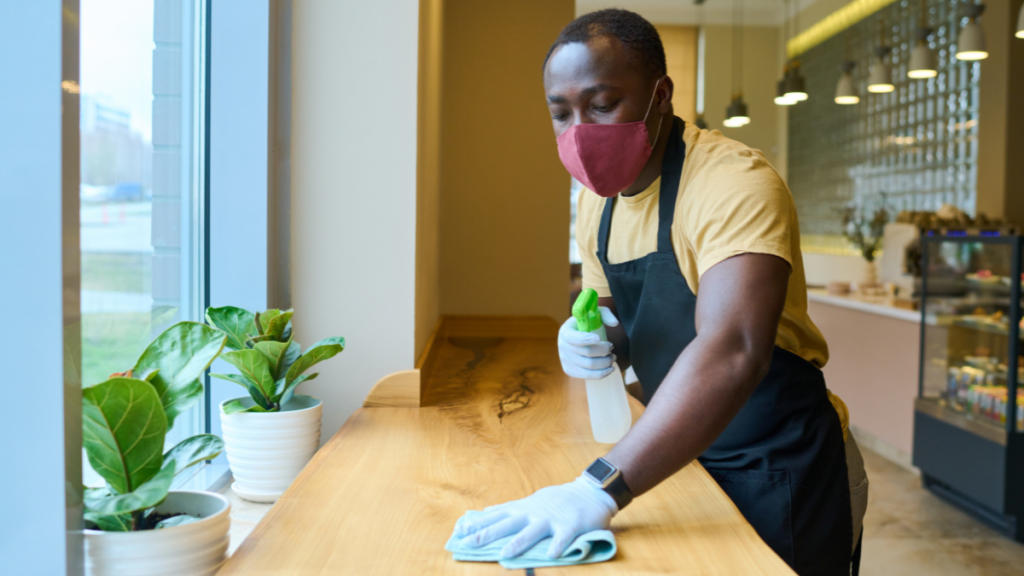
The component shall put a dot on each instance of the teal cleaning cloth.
(595, 546)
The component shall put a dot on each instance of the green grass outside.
(112, 342)
(116, 272)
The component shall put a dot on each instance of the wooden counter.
(498, 421)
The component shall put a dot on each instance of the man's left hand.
(562, 512)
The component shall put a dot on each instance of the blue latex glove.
(561, 512)
(583, 354)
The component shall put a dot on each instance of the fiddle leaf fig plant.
(125, 422)
(269, 361)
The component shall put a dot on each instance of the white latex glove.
(562, 512)
(583, 354)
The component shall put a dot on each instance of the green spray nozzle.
(588, 317)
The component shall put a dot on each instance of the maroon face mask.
(607, 158)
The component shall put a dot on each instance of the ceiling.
(755, 12)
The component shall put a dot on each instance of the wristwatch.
(609, 479)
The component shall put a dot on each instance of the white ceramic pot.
(194, 549)
(267, 450)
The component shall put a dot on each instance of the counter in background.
(874, 351)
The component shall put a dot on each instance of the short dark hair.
(639, 36)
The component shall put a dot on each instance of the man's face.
(594, 83)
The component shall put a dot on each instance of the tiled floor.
(907, 531)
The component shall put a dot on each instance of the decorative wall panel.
(916, 146)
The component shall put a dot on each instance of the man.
(691, 240)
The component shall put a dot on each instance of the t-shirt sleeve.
(737, 205)
(588, 213)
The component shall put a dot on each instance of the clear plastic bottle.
(610, 417)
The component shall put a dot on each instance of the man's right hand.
(583, 354)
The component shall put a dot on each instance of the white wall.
(353, 191)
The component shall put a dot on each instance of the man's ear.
(664, 95)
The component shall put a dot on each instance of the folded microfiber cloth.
(594, 546)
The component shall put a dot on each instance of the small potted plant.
(136, 524)
(865, 234)
(272, 433)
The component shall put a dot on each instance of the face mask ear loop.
(649, 112)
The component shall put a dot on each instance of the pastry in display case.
(968, 429)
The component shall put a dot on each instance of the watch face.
(600, 470)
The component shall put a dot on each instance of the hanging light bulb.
(922, 59)
(795, 86)
(846, 92)
(1020, 23)
(880, 79)
(971, 44)
(736, 114)
(780, 94)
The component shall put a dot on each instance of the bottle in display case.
(968, 427)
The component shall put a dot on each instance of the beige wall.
(501, 208)
(353, 191)
(762, 66)
(428, 177)
(681, 60)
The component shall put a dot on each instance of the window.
(141, 194)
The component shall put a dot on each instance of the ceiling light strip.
(833, 24)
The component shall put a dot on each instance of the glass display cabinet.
(968, 429)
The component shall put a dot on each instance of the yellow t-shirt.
(731, 201)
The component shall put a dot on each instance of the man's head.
(603, 68)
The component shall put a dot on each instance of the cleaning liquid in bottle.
(610, 418)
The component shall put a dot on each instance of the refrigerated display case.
(968, 429)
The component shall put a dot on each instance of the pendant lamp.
(1020, 23)
(736, 114)
(971, 44)
(780, 94)
(795, 86)
(846, 92)
(880, 78)
(700, 123)
(922, 60)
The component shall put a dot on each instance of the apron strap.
(671, 171)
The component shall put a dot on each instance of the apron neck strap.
(671, 171)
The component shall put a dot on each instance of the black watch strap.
(619, 492)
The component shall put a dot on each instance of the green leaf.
(113, 523)
(235, 406)
(288, 390)
(235, 322)
(181, 354)
(276, 326)
(176, 521)
(254, 340)
(265, 318)
(322, 350)
(123, 429)
(194, 450)
(255, 367)
(249, 386)
(101, 501)
(293, 354)
(275, 353)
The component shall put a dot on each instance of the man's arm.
(738, 310)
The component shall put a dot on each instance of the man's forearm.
(706, 387)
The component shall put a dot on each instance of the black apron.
(782, 459)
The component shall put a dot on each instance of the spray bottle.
(610, 418)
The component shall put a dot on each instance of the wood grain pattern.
(383, 495)
(398, 390)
